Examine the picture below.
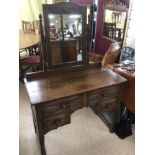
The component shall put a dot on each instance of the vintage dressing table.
(67, 86)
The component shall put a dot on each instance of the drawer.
(76, 103)
(56, 122)
(103, 94)
(107, 105)
(61, 106)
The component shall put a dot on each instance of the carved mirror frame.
(116, 8)
(64, 8)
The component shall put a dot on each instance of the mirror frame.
(114, 7)
(64, 8)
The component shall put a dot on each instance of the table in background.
(27, 40)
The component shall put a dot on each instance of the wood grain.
(63, 84)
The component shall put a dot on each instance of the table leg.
(39, 128)
(34, 125)
(42, 145)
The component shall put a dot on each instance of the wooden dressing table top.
(51, 85)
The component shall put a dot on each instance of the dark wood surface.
(68, 54)
(48, 86)
(54, 95)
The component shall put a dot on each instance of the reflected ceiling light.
(74, 16)
(75, 22)
(51, 24)
(50, 16)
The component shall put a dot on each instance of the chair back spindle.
(28, 26)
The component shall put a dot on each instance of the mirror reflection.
(55, 27)
(114, 24)
(65, 32)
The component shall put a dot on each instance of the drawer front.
(76, 104)
(61, 106)
(104, 94)
(56, 122)
(107, 105)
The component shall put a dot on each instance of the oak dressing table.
(56, 93)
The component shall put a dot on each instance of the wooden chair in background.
(28, 26)
(36, 26)
(34, 58)
(33, 61)
(109, 30)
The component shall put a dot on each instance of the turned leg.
(34, 125)
(42, 145)
(40, 130)
(21, 75)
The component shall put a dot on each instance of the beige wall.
(29, 10)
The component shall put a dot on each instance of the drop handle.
(106, 106)
(57, 122)
(64, 106)
(103, 95)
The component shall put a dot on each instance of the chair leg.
(21, 79)
(21, 76)
(37, 68)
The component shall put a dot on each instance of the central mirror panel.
(72, 36)
(55, 34)
(64, 33)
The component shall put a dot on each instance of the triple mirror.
(64, 31)
(115, 17)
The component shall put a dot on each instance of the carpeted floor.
(86, 135)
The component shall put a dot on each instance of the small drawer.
(76, 103)
(107, 105)
(61, 106)
(55, 108)
(55, 122)
(104, 94)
